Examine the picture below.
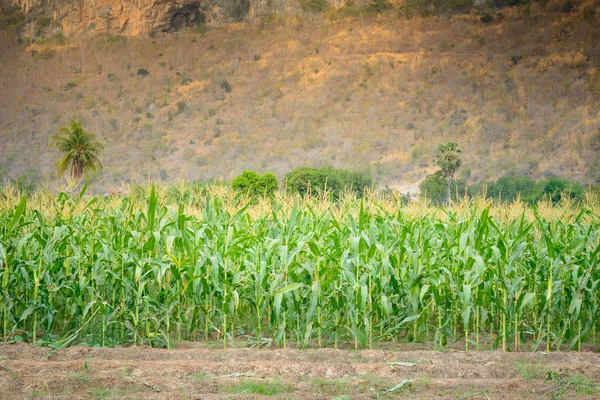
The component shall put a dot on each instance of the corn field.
(165, 264)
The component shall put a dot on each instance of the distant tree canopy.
(426, 7)
(306, 180)
(433, 187)
(506, 188)
(256, 185)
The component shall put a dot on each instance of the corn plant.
(190, 263)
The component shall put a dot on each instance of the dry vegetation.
(195, 371)
(520, 94)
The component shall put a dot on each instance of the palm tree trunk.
(448, 198)
(77, 168)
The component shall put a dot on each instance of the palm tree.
(80, 150)
(448, 160)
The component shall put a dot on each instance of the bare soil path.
(194, 372)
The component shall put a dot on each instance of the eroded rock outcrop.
(139, 17)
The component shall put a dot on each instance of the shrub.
(11, 18)
(313, 5)
(556, 189)
(515, 59)
(226, 86)
(486, 19)
(47, 52)
(239, 9)
(29, 181)
(306, 180)
(256, 185)
(378, 6)
(143, 72)
(508, 188)
(114, 39)
(433, 187)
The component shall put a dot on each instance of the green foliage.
(306, 180)
(508, 188)
(266, 388)
(433, 188)
(511, 3)
(143, 72)
(80, 150)
(256, 185)
(11, 18)
(556, 188)
(181, 106)
(315, 6)
(226, 86)
(379, 6)
(428, 7)
(29, 181)
(448, 160)
(238, 9)
(114, 39)
(486, 18)
(163, 263)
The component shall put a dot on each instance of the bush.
(556, 189)
(508, 188)
(69, 86)
(313, 5)
(433, 188)
(226, 86)
(486, 18)
(181, 106)
(256, 185)
(114, 39)
(143, 72)
(306, 180)
(379, 6)
(239, 9)
(29, 181)
(11, 18)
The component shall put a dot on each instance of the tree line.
(81, 151)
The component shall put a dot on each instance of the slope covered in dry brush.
(520, 93)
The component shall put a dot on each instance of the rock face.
(139, 17)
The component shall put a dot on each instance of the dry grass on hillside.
(520, 94)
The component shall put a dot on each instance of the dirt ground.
(194, 372)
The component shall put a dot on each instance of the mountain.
(374, 87)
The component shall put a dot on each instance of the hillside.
(520, 92)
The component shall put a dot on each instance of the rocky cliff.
(139, 17)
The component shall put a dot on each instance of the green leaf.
(289, 288)
(17, 215)
(150, 216)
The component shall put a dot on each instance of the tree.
(449, 161)
(433, 188)
(317, 180)
(256, 185)
(80, 150)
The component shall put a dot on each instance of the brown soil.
(195, 372)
